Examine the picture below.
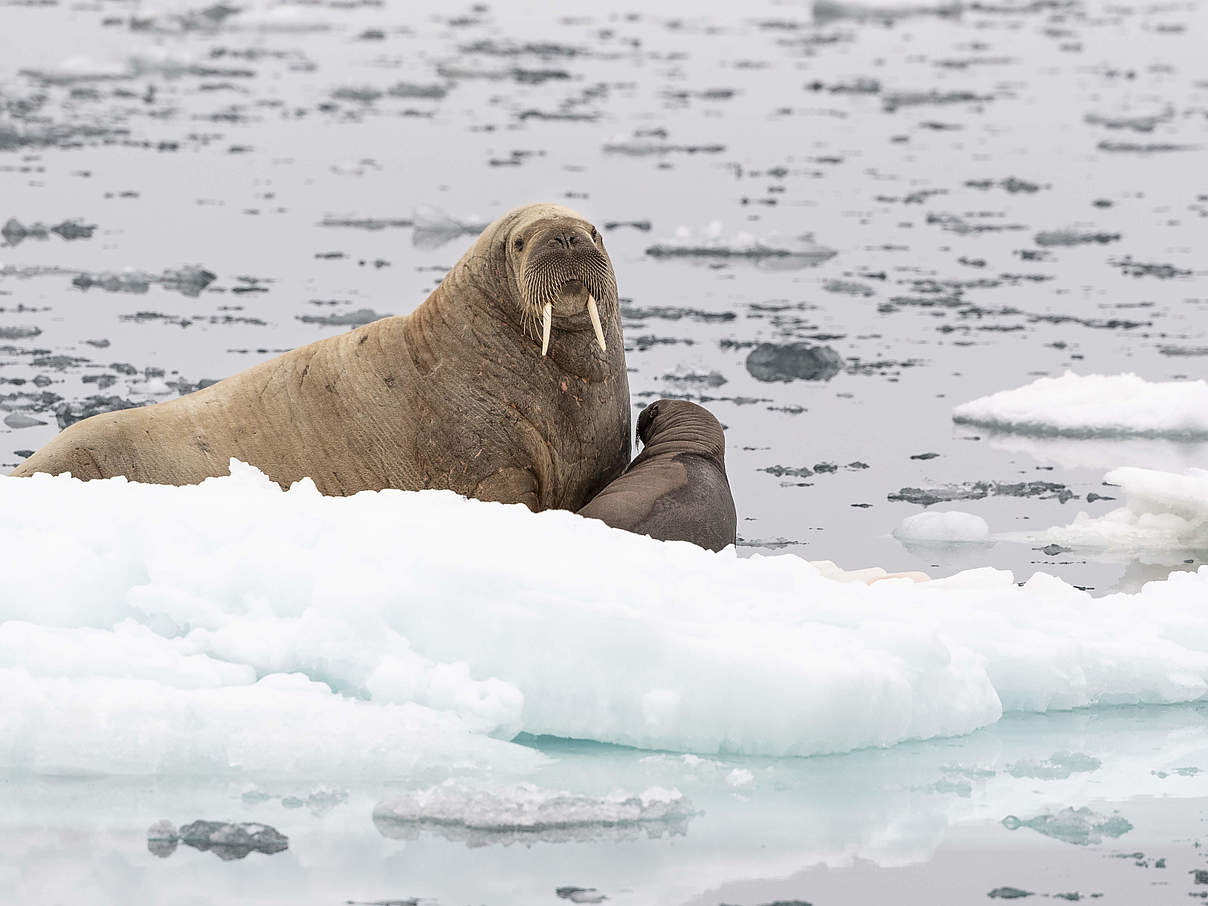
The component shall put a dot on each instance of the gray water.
(287, 151)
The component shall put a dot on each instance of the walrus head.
(680, 426)
(561, 270)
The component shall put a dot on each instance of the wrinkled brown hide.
(455, 395)
(675, 489)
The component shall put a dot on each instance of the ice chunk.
(580, 894)
(233, 841)
(1163, 512)
(226, 840)
(434, 227)
(1079, 826)
(1095, 404)
(713, 243)
(948, 526)
(482, 815)
(1057, 766)
(162, 838)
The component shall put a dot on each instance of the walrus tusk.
(547, 318)
(594, 314)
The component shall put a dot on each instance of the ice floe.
(1163, 512)
(948, 526)
(234, 626)
(712, 243)
(1095, 404)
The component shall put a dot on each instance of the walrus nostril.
(563, 240)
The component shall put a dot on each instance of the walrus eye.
(519, 243)
(593, 234)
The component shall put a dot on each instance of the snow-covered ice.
(1095, 405)
(951, 526)
(234, 626)
(1163, 512)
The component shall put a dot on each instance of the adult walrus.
(675, 489)
(460, 394)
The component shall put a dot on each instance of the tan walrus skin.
(675, 489)
(456, 395)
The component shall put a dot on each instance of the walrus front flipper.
(676, 489)
(80, 450)
(510, 485)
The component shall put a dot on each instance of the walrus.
(675, 489)
(507, 384)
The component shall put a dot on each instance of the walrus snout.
(565, 267)
(566, 239)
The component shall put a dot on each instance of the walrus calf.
(675, 489)
(508, 384)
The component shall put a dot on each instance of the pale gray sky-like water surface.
(929, 153)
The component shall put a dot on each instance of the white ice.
(233, 626)
(1095, 405)
(1163, 512)
(950, 526)
(495, 809)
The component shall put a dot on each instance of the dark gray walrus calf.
(675, 489)
(469, 392)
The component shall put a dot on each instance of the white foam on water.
(233, 626)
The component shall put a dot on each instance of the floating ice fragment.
(947, 526)
(226, 840)
(1163, 511)
(1057, 766)
(1080, 826)
(712, 243)
(580, 894)
(1095, 404)
(162, 838)
(740, 777)
(484, 815)
(433, 227)
(233, 841)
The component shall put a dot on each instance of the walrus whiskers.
(563, 269)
